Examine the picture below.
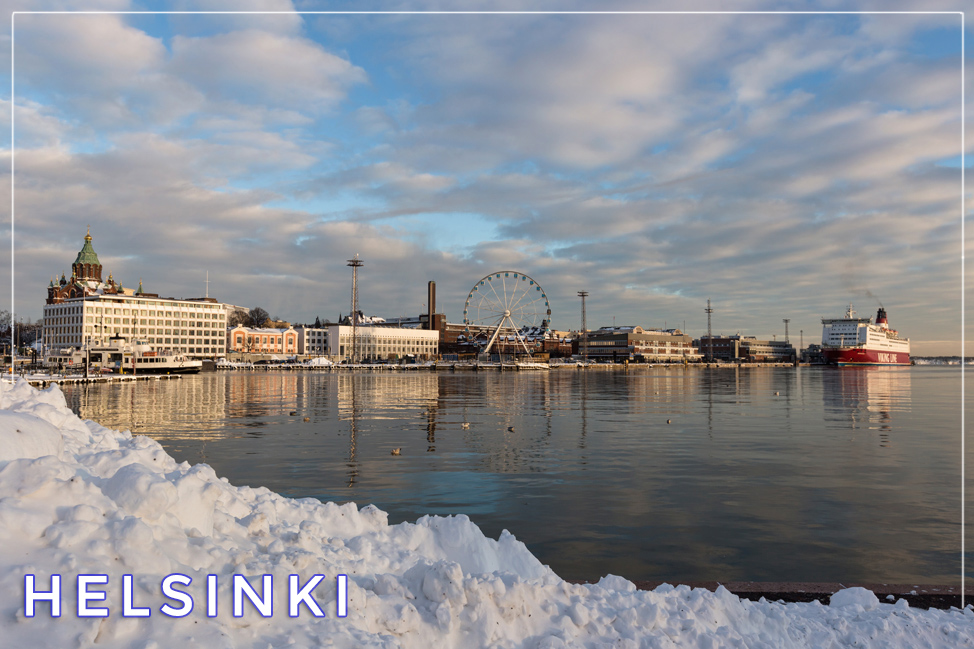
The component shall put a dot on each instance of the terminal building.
(634, 343)
(748, 349)
(86, 310)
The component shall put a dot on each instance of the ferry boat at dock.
(858, 341)
(124, 357)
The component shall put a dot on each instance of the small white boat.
(139, 357)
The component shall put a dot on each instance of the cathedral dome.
(87, 254)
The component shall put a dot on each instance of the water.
(766, 474)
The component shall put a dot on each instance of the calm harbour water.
(766, 474)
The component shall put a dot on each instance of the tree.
(258, 317)
(24, 333)
(28, 332)
(238, 318)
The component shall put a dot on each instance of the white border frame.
(14, 14)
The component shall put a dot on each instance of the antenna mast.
(710, 335)
(355, 263)
(583, 295)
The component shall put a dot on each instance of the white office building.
(382, 343)
(87, 310)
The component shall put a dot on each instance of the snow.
(865, 599)
(318, 361)
(79, 499)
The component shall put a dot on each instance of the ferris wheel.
(506, 300)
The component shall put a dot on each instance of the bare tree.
(25, 332)
(238, 318)
(258, 317)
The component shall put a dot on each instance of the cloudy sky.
(781, 165)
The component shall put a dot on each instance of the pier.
(44, 380)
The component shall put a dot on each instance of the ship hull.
(175, 369)
(859, 356)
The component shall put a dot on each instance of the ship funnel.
(881, 316)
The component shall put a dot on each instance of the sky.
(781, 165)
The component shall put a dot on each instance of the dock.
(44, 380)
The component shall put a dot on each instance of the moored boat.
(858, 341)
(123, 356)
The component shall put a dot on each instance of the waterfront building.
(466, 340)
(382, 342)
(813, 354)
(87, 310)
(749, 349)
(557, 344)
(265, 340)
(641, 345)
(542, 342)
(312, 341)
(725, 348)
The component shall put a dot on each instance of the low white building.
(382, 343)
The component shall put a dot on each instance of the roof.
(87, 254)
(262, 330)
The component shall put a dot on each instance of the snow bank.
(318, 361)
(78, 499)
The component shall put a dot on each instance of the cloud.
(99, 70)
(276, 16)
(257, 67)
(111, 74)
(654, 161)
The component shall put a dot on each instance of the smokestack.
(430, 304)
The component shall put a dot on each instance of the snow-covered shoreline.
(79, 499)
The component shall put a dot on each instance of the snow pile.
(317, 361)
(78, 499)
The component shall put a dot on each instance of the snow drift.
(79, 499)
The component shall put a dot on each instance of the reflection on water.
(867, 397)
(814, 474)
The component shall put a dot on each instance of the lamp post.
(13, 345)
(355, 264)
(584, 341)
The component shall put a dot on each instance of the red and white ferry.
(857, 341)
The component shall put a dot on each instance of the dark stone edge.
(917, 596)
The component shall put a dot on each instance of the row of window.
(183, 341)
(388, 341)
(90, 308)
(151, 330)
(151, 321)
